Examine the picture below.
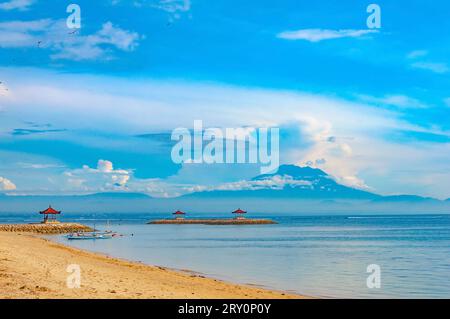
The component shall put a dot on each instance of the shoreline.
(35, 267)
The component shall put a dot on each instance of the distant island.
(302, 190)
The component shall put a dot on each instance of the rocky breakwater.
(49, 228)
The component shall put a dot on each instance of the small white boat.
(108, 234)
(86, 236)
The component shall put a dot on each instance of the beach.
(35, 267)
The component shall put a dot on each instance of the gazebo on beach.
(240, 213)
(179, 214)
(50, 215)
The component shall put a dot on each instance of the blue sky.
(92, 111)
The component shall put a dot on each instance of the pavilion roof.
(239, 211)
(50, 210)
(178, 212)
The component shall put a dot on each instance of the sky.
(92, 109)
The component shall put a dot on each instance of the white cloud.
(105, 166)
(118, 37)
(316, 35)
(174, 8)
(6, 184)
(4, 91)
(16, 5)
(39, 166)
(397, 100)
(447, 101)
(160, 105)
(273, 182)
(102, 178)
(19, 34)
(417, 54)
(54, 35)
(435, 67)
(91, 47)
(352, 140)
(335, 156)
(352, 181)
(432, 66)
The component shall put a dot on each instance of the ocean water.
(322, 256)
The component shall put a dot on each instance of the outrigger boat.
(92, 235)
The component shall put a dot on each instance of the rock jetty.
(47, 228)
(226, 221)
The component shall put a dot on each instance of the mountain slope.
(290, 181)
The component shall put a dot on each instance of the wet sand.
(33, 267)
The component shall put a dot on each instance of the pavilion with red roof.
(50, 215)
(240, 213)
(179, 214)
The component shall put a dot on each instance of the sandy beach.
(34, 267)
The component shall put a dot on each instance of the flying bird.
(74, 31)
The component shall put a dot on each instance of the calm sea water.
(323, 256)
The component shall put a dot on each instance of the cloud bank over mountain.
(293, 190)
